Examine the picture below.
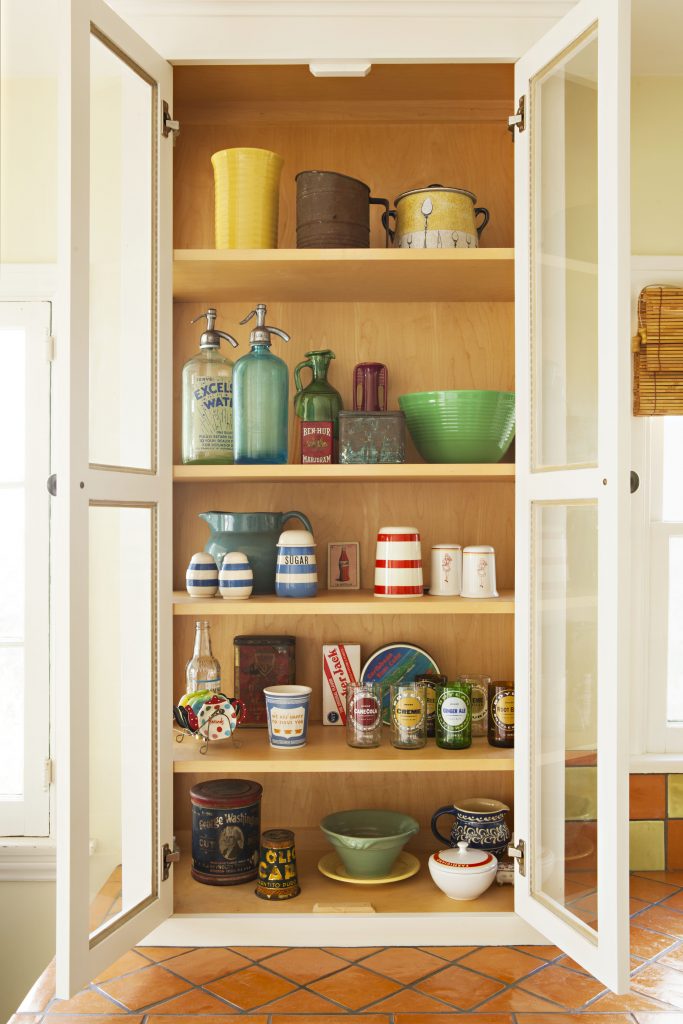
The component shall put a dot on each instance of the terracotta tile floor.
(367, 985)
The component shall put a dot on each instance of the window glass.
(672, 477)
(675, 633)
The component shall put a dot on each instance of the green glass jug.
(317, 407)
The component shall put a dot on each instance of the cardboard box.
(341, 666)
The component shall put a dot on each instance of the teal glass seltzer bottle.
(207, 435)
(454, 715)
(261, 397)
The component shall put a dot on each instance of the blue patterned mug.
(480, 822)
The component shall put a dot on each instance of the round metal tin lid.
(464, 858)
(337, 174)
(226, 793)
(277, 838)
(434, 188)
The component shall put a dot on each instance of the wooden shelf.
(414, 895)
(500, 472)
(328, 751)
(331, 602)
(344, 275)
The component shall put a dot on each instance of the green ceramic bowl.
(460, 426)
(367, 841)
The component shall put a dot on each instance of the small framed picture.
(343, 565)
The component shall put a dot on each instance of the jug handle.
(477, 211)
(297, 373)
(437, 814)
(301, 517)
(390, 232)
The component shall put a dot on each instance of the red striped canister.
(398, 563)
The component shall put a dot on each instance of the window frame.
(29, 815)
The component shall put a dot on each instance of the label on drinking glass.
(503, 709)
(365, 711)
(453, 712)
(408, 712)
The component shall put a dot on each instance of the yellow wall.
(27, 938)
(657, 166)
(28, 170)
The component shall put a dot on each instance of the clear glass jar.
(203, 671)
(408, 702)
(364, 714)
(480, 702)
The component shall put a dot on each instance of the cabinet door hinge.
(518, 120)
(50, 347)
(48, 773)
(168, 125)
(519, 854)
(170, 856)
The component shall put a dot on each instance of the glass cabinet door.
(112, 507)
(572, 329)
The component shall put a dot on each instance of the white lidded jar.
(463, 874)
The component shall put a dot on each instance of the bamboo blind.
(658, 353)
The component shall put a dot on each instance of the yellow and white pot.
(436, 217)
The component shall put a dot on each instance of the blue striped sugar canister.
(236, 579)
(296, 572)
(201, 578)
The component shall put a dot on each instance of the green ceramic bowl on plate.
(460, 426)
(368, 841)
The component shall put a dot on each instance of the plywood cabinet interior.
(402, 127)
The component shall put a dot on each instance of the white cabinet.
(444, 318)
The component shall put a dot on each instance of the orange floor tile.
(370, 985)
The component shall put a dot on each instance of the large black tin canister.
(333, 211)
(226, 829)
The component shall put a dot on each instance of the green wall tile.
(581, 794)
(675, 796)
(646, 847)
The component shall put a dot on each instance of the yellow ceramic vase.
(247, 192)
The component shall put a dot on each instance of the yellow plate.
(405, 866)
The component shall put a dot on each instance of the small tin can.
(431, 680)
(226, 825)
(277, 878)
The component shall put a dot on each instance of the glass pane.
(13, 404)
(122, 700)
(12, 721)
(672, 478)
(674, 682)
(121, 263)
(564, 316)
(564, 702)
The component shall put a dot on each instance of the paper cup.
(287, 712)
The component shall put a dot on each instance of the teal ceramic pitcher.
(254, 533)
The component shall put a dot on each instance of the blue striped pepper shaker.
(296, 573)
(201, 578)
(236, 579)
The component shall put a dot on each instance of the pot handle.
(304, 520)
(391, 232)
(437, 814)
(487, 215)
(238, 708)
(297, 376)
(385, 204)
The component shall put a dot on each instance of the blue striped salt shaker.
(236, 579)
(296, 572)
(201, 578)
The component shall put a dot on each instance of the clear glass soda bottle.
(203, 671)
(207, 435)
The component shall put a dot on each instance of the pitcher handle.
(301, 517)
(297, 374)
(385, 204)
(437, 814)
(487, 215)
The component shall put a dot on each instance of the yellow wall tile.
(646, 845)
(675, 796)
(581, 794)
